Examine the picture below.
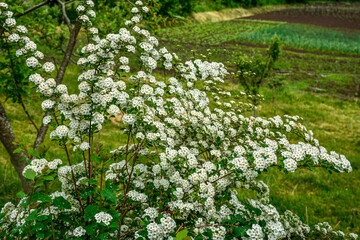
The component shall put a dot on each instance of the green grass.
(320, 196)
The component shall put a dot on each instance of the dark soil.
(332, 15)
(324, 21)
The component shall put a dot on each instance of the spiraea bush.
(182, 164)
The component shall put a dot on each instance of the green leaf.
(32, 216)
(90, 228)
(239, 218)
(41, 197)
(42, 218)
(237, 231)
(38, 225)
(2, 215)
(20, 195)
(95, 159)
(142, 233)
(104, 235)
(19, 9)
(87, 192)
(108, 194)
(61, 203)
(109, 161)
(18, 150)
(90, 212)
(25, 203)
(208, 233)
(114, 225)
(198, 237)
(25, 140)
(40, 235)
(91, 181)
(34, 153)
(30, 174)
(116, 215)
(39, 183)
(181, 235)
(48, 178)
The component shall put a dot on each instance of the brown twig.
(63, 9)
(17, 89)
(33, 8)
(71, 44)
(182, 224)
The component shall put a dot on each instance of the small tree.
(176, 175)
(252, 72)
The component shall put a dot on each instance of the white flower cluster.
(103, 217)
(38, 165)
(79, 232)
(159, 231)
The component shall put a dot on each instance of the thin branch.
(71, 59)
(19, 95)
(27, 113)
(72, 41)
(33, 8)
(131, 3)
(133, 230)
(69, 2)
(67, 20)
(41, 133)
(97, 143)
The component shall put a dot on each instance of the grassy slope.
(332, 115)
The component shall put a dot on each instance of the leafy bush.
(175, 7)
(251, 73)
(180, 163)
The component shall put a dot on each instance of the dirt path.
(232, 13)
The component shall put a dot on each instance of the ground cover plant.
(182, 164)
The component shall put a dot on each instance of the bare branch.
(41, 134)
(69, 1)
(71, 59)
(17, 89)
(67, 20)
(70, 48)
(33, 8)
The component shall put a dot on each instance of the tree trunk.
(7, 138)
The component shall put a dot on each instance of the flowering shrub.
(179, 173)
